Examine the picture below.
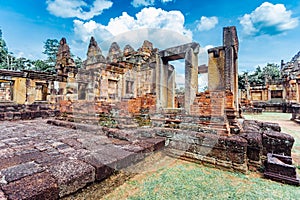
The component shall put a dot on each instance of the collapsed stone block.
(254, 145)
(277, 142)
(280, 168)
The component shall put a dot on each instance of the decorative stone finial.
(64, 61)
(94, 53)
(114, 53)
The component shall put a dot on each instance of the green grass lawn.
(186, 180)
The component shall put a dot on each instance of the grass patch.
(191, 181)
(184, 180)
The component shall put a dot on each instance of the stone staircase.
(175, 119)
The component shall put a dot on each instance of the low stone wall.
(274, 106)
(25, 112)
(229, 152)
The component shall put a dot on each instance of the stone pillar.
(269, 94)
(191, 78)
(171, 86)
(164, 85)
(216, 76)
(20, 91)
(298, 90)
(158, 72)
(231, 46)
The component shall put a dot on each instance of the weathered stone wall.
(263, 138)
(216, 70)
(214, 150)
(19, 93)
(209, 104)
(143, 104)
(25, 112)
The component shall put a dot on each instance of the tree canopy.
(270, 74)
(3, 52)
(50, 49)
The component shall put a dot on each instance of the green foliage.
(270, 74)
(50, 49)
(40, 65)
(242, 80)
(3, 52)
(78, 62)
(23, 64)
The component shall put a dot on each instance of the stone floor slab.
(32, 151)
(37, 186)
(19, 171)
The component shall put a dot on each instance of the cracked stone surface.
(2, 196)
(42, 161)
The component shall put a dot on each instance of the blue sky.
(268, 30)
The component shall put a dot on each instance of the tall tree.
(3, 52)
(50, 49)
(270, 74)
(23, 64)
(40, 65)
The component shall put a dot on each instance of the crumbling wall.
(264, 138)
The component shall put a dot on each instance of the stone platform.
(43, 161)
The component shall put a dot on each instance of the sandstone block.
(277, 142)
(123, 158)
(104, 164)
(40, 186)
(71, 175)
(19, 171)
(2, 195)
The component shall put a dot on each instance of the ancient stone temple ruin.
(290, 73)
(128, 99)
(279, 95)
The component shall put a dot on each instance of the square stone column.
(191, 79)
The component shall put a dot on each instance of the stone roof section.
(94, 53)
(114, 53)
(291, 69)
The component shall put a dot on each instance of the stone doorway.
(165, 85)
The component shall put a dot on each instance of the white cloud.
(141, 3)
(156, 25)
(77, 8)
(138, 3)
(268, 19)
(207, 23)
(203, 55)
(84, 30)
